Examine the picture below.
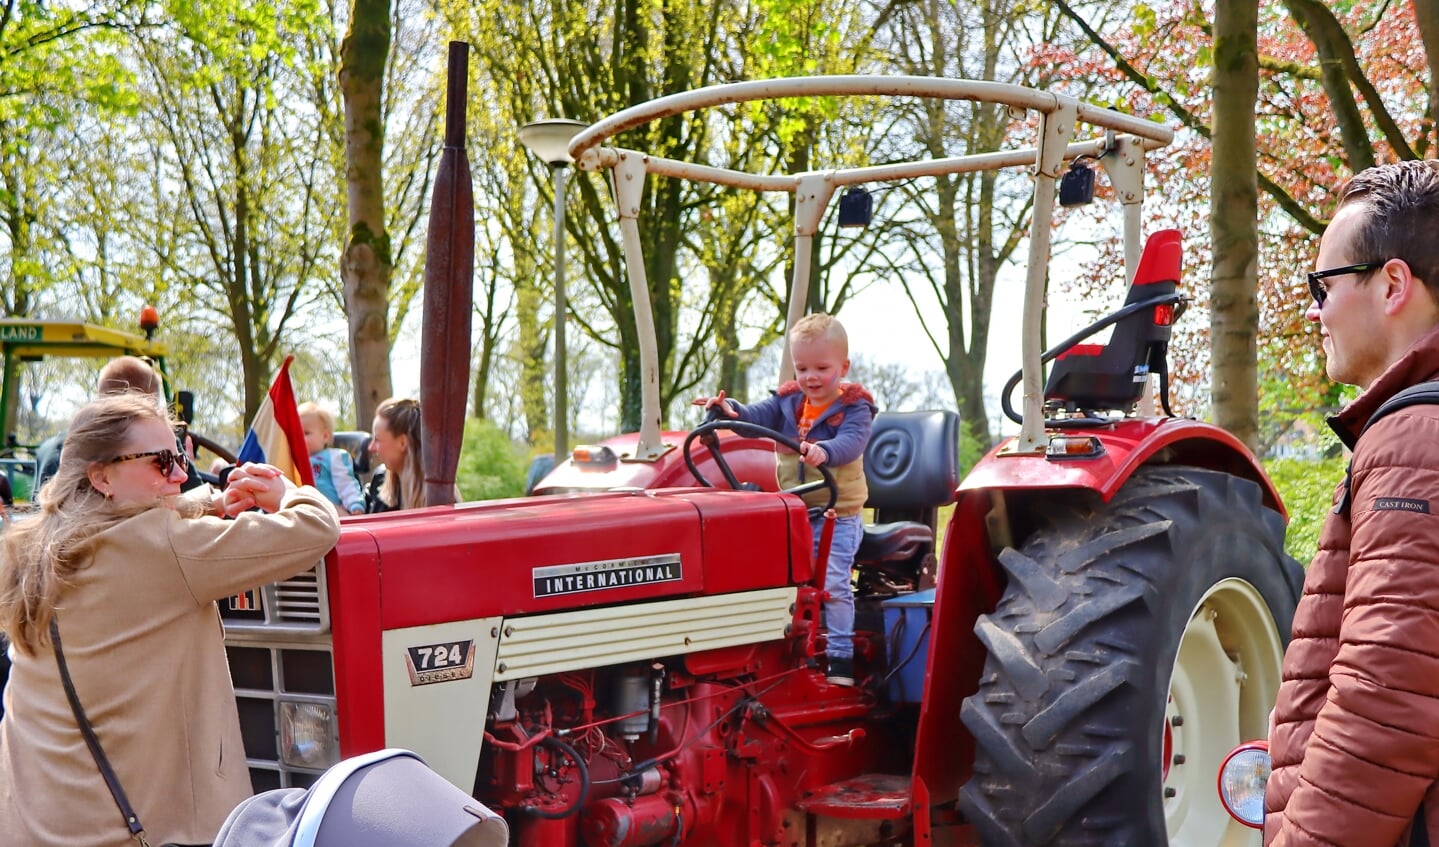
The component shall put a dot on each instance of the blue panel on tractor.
(906, 627)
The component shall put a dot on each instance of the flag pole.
(449, 296)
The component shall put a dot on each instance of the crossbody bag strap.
(132, 820)
(1422, 394)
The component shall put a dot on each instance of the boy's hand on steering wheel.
(709, 404)
(812, 453)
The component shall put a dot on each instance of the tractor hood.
(543, 554)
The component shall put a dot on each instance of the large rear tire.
(1136, 643)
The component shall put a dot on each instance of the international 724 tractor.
(633, 656)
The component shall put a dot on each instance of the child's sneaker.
(841, 671)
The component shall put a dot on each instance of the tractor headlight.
(307, 735)
(1242, 778)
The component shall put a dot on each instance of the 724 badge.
(443, 662)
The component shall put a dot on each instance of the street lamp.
(550, 140)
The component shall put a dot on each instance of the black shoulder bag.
(132, 820)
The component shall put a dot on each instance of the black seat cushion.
(358, 445)
(894, 542)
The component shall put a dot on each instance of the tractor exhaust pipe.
(449, 296)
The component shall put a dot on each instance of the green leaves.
(1144, 20)
(1306, 486)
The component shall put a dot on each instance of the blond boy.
(831, 420)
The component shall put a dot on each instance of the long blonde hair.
(407, 486)
(39, 556)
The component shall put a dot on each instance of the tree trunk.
(491, 323)
(1233, 221)
(531, 352)
(972, 258)
(1426, 14)
(253, 360)
(16, 217)
(367, 265)
(1321, 29)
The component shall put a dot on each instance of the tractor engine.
(620, 751)
(692, 749)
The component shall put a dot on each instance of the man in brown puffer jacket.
(1355, 737)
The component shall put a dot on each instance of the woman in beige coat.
(131, 572)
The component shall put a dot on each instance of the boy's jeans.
(839, 609)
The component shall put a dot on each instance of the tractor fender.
(1127, 446)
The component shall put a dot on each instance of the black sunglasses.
(1320, 292)
(165, 460)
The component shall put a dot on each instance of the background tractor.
(24, 341)
(629, 658)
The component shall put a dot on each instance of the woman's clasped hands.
(254, 485)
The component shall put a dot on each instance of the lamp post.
(550, 140)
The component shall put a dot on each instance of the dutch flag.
(276, 436)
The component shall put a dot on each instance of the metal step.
(874, 796)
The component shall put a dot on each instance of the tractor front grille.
(297, 600)
(277, 638)
(265, 676)
(296, 606)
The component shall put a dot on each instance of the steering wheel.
(214, 447)
(707, 433)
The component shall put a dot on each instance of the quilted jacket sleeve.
(849, 440)
(768, 412)
(222, 557)
(1374, 751)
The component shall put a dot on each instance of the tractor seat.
(358, 446)
(894, 542)
(911, 466)
(1112, 376)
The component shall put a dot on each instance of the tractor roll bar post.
(1054, 130)
(628, 174)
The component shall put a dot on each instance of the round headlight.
(1242, 778)
(307, 735)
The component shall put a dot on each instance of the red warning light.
(149, 318)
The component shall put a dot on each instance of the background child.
(832, 421)
(334, 470)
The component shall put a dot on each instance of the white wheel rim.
(1225, 678)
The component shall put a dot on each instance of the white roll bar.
(1059, 116)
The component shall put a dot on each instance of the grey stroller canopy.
(389, 798)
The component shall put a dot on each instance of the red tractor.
(629, 658)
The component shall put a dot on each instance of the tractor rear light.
(1242, 778)
(1074, 447)
(308, 736)
(587, 456)
(1164, 315)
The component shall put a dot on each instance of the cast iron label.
(1400, 504)
(554, 580)
(450, 660)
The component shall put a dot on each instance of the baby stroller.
(389, 798)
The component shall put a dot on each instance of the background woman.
(131, 572)
(395, 441)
